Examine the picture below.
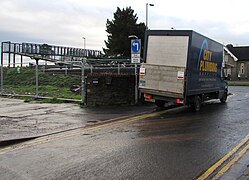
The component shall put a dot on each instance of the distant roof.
(230, 53)
(241, 52)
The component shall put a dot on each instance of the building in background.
(240, 71)
(230, 69)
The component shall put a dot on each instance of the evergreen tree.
(123, 25)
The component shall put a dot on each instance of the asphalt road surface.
(20, 120)
(170, 144)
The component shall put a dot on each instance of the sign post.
(135, 59)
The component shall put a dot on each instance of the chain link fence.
(65, 81)
(36, 81)
(54, 72)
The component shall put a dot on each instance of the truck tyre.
(224, 97)
(160, 103)
(196, 106)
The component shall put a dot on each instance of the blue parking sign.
(135, 46)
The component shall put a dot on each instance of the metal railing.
(47, 52)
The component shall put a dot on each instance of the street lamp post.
(147, 5)
(84, 39)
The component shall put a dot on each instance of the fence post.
(36, 78)
(21, 55)
(118, 68)
(83, 88)
(66, 70)
(9, 53)
(136, 87)
(2, 68)
(14, 56)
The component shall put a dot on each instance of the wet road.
(24, 120)
(177, 144)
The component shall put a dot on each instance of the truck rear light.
(148, 96)
(179, 101)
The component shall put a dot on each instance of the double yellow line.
(70, 133)
(224, 160)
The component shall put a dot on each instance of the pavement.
(19, 120)
(238, 83)
(240, 170)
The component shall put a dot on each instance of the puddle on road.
(14, 141)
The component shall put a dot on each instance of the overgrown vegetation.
(22, 81)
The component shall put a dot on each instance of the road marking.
(222, 160)
(75, 132)
(232, 162)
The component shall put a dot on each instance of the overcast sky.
(65, 22)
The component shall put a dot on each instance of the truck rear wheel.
(196, 106)
(160, 103)
(224, 97)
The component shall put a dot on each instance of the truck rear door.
(164, 70)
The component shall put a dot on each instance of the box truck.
(183, 67)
